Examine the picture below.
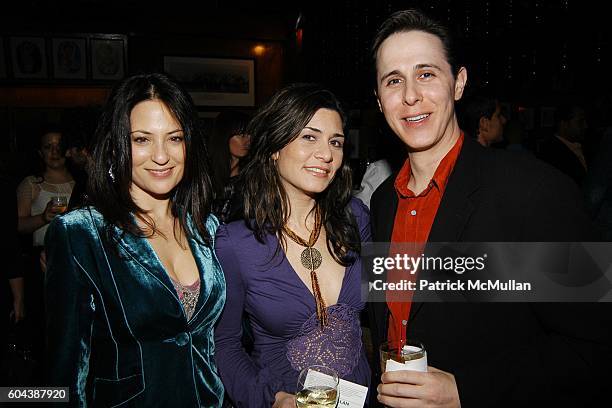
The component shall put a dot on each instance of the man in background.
(564, 149)
(481, 118)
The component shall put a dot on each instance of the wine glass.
(403, 355)
(59, 204)
(317, 387)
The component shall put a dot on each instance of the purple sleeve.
(362, 216)
(245, 383)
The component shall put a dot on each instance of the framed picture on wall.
(108, 57)
(29, 57)
(215, 81)
(69, 56)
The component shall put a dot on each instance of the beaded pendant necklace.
(311, 259)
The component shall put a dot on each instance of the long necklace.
(311, 259)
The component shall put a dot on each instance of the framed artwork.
(29, 57)
(215, 81)
(69, 58)
(3, 60)
(108, 57)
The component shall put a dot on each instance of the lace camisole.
(188, 295)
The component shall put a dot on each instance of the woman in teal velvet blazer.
(133, 286)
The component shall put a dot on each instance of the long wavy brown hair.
(266, 205)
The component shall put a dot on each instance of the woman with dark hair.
(229, 146)
(293, 267)
(133, 287)
(40, 197)
(51, 179)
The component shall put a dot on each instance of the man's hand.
(434, 388)
(284, 400)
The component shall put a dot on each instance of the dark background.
(530, 53)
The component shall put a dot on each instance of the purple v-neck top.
(263, 286)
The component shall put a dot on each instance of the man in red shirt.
(451, 189)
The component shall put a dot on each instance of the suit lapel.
(384, 206)
(142, 253)
(203, 259)
(452, 217)
(457, 204)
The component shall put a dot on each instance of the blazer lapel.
(383, 209)
(453, 214)
(203, 259)
(457, 204)
(141, 252)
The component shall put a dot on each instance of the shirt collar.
(440, 177)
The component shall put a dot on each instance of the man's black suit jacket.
(504, 354)
(557, 154)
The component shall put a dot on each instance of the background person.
(229, 146)
(79, 137)
(34, 205)
(564, 149)
(481, 118)
(35, 209)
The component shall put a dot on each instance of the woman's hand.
(284, 400)
(42, 261)
(50, 212)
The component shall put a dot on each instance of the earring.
(111, 174)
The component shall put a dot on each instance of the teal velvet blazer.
(117, 332)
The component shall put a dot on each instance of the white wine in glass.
(317, 388)
(403, 355)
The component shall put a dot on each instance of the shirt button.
(404, 322)
(413, 212)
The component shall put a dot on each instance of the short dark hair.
(415, 20)
(472, 109)
(112, 151)
(266, 204)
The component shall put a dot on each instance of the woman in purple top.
(293, 269)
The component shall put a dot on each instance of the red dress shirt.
(413, 220)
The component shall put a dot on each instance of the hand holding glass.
(317, 387)
(402, 355)
(59, 204)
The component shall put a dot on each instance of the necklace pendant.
(311, 258)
